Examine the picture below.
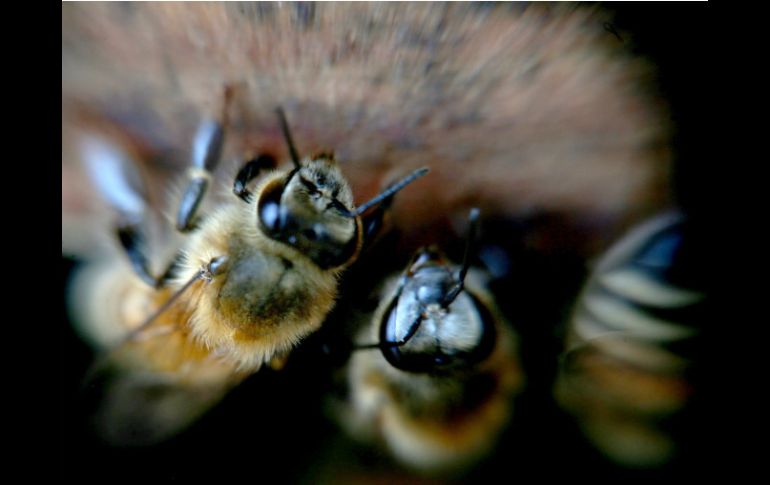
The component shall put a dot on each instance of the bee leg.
(249, 172)
(170, 271)
(115, 174)
(207, 152)
(132, 240)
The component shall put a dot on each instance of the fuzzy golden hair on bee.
(290, 303)
(252, 277)
(440, 402)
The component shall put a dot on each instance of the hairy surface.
(269, 295)
(523, 112)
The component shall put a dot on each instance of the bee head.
(433, 324)
(312, 211)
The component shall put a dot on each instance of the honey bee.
(254, 277)
(438, 385)
(631, 342)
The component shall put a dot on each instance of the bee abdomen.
(631, 343)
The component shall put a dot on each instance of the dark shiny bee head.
(434, 324)
(312, 208)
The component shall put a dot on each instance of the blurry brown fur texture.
(524, 112)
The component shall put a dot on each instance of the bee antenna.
(391, 190)
(205, 273)
(473, 219)
(289, 140)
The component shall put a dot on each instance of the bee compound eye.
(428, 294)
(270, 216)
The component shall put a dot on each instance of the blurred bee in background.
(629, 351)
(255, 276)
(437, 387)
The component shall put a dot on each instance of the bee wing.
(155, 385)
